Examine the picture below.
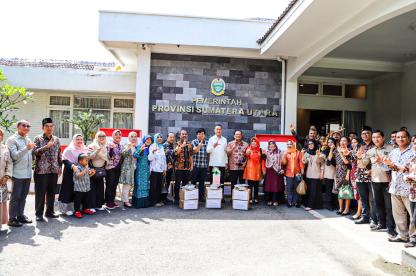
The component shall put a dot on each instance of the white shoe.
(100, 209)
(69, 213)
(93, 210)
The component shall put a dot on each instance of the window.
(61, 127)
(308, 88)
(123, 120)
(332, 90)
(118, 112)
(60, 100)
(356, 91)
(123, 103)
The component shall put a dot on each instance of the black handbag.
(99, 172)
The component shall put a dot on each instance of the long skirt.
(66, 193)
(273, 182)
(314, 193)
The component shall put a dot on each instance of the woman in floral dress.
(128, 168)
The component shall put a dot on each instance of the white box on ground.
(188, 194)
(241, 195)
(241, 204)
(213, 193)
(213, 203)
(188, 204)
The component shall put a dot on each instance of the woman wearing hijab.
(314, 160)
(6, 170)
(342, 157)
(113, 168)
(273, 181)
(329, 174)
(70, 159)
(253, 169)
(158, 166)
(99, 158)
(141, 184)
(294, 167)
(127, 168)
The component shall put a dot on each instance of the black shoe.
(338, 212)
(14, 223)
(289, 206)
(362, 221)
(379, 228)
(373, 224)
(24, 219)
(297, 205)
(52, 215)
(40, 219)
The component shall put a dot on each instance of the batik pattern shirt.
(47, 160)
(236, 155)
(364, 166)
(398, 186)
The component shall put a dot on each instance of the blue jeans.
(292, 196)
(198, 176)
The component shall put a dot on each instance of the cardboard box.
(188, 204)
(213, 203)
(242, 195)
(227, 190)
(241, 204)
(213, 194)
(188, 195)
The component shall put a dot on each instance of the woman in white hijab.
(127, 168)
(70, 159)
(99, 159)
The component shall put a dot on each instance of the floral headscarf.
(273, 159)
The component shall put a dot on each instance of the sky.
(68, 30)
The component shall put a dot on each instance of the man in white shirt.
(216, 148)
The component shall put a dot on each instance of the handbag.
(346, 192)
(100, 173)
(301, 188)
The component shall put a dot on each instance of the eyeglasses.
(26, 126)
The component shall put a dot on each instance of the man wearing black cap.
(48, 166)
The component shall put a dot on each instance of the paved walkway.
(262, 241)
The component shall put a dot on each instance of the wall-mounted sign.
(218, 87)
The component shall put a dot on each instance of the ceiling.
(341, 73)
(393, 41)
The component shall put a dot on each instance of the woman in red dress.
(273, 181)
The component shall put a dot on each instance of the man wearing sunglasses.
(20, 148)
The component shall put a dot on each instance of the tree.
(10, 97)
(87, 122)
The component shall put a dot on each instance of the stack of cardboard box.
(188, 198)
(241, 198)
(213, 196)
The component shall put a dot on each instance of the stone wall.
(178, 79)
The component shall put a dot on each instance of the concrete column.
(291, 104)
(141, 112)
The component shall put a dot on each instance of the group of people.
(375, 178)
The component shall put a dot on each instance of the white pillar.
(291, 104)
(141, 112)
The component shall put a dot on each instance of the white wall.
(385, 110)
(408, 98)
(70, 79)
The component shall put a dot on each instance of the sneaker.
(69, 213)
(100, 209)
(379, 228)
(372, 225)
(78, 214)
(88, 212)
